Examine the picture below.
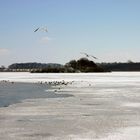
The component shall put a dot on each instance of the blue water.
(16, 92)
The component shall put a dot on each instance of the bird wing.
(36, 30)
(44, 29)
(94, 57)
(85, 54)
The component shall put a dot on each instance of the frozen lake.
(115, 77)
(104, 106)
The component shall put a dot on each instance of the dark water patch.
(15, 93)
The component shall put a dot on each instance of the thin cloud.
(4, 51)
(45, 39)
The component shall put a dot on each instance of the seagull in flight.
(41, 29)
(87, 55)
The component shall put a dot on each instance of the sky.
(107, 29)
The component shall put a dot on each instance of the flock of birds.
(46, 30)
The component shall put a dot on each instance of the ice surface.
(89, 77)
(104, 106)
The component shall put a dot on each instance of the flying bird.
(41, 29)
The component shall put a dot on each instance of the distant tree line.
(130, 66)
(2, 68)
(81, 65)
(34, 65)
(49, 70)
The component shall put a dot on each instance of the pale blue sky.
(108, 29)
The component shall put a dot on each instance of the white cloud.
(4, 51)
(45, 40)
